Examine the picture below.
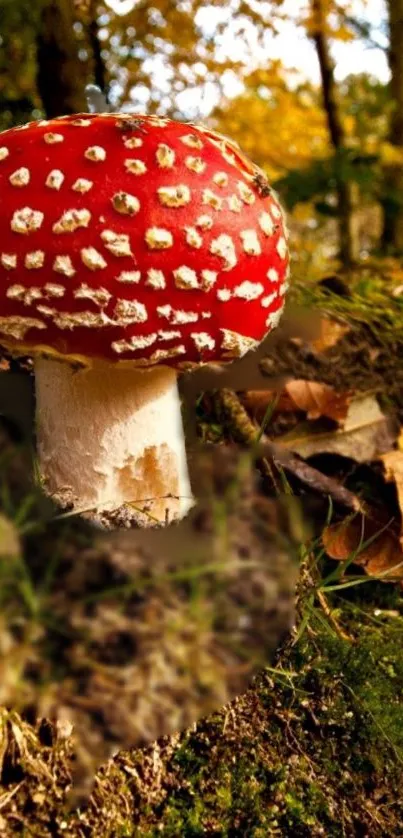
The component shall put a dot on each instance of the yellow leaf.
(391, 155)
(393, 465)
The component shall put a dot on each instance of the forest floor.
(368, 356)
(315, 745)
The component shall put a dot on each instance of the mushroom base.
(109, 438)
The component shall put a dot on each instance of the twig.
(330, 616)
(245, 431)
(309, 590)
(7, 796)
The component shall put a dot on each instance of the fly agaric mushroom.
(132, 247)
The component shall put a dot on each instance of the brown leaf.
(366, 433)
(311, 397)
(317, 399)
(330, 333)
(382, 557)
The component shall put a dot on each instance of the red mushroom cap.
(135, 239)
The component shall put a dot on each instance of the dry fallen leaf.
(366, 433)
(317, 399)
(311, 397)
(382, 557)
(330, 333)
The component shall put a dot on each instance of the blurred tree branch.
(364, 31)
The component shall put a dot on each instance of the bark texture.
(348, 228)
(99, 69)
(392, 238)
(60, 74)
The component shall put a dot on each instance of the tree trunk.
(99, 69)
(392, 236)
(60, 74)
(348, 231)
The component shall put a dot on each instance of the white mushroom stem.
(110, 436)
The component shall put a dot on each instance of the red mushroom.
(131, 248)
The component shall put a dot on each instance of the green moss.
(304, 759)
